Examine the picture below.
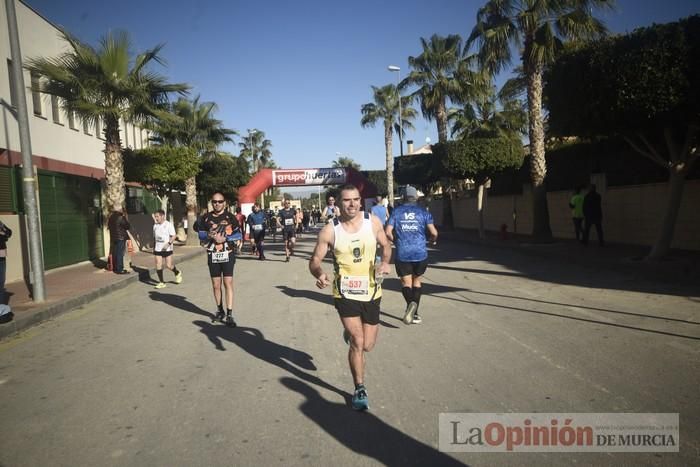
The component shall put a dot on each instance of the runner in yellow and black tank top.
(354, 263)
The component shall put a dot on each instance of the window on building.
(98, 128)
(56, 110)
(13, 90)
(36, 95)
(71, 120)
(86, 127)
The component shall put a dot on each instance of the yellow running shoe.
(160, 285)
(178, 277)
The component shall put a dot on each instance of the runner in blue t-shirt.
(407, 228)
(257, 220)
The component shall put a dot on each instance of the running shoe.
(346, 336)
(286, 260)
(359, 399)
(219, 316)
(262, 258)
(160, 285)
(416, 318)
(230, 322)
(410, 311)
(178, 278)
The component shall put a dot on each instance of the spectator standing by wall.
(118, 226)
(593, 215)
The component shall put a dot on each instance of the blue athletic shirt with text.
(257, 218)
(410, 222)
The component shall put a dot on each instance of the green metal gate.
(71, 226)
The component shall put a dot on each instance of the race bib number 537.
(354, 285)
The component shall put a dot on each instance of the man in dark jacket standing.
(593, 215)
(118, 226)
(5, 234)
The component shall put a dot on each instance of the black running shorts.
(258, 235)
(367, 311)
(217, 269)
(411, 268)
(164, 254)
(288, 234)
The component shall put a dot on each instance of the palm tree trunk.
(191, 206)
(541, 230)
(441, 119)
(114, 166)
(676, 182)
(480, 204)
(389, 162)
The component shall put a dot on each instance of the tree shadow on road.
(253, 342)
(364, 433)
(562, 266)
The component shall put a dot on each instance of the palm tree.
(256, 149)
(492, 113)
(343, 161)
(538, 29)
(106, 84)
(386, 108)
(192, 124)
(441, 74)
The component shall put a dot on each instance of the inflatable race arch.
(267, 178)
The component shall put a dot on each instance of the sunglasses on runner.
(217, 201)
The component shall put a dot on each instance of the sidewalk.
(73, 286)
(681, 266)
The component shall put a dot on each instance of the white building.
(68, 158)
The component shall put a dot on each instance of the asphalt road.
(142, 377)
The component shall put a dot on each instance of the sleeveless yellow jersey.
(354, 262)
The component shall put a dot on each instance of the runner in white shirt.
(164, 235)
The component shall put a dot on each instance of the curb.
(46, 312)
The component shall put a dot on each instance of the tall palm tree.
(386, 108)
(441, 75)
(256, 149)
(538, 29)
(192, 124)
(106, 84)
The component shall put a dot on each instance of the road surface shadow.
(587, 320)
(320, 297)
(604, 310)
(308, 294)
(253, 342)
(144, 275)
(178, 301)
(554, 269)
(364, 433)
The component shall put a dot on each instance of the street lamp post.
(393, 68)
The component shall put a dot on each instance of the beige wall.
(631, 214)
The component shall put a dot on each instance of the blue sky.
(300, 70)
